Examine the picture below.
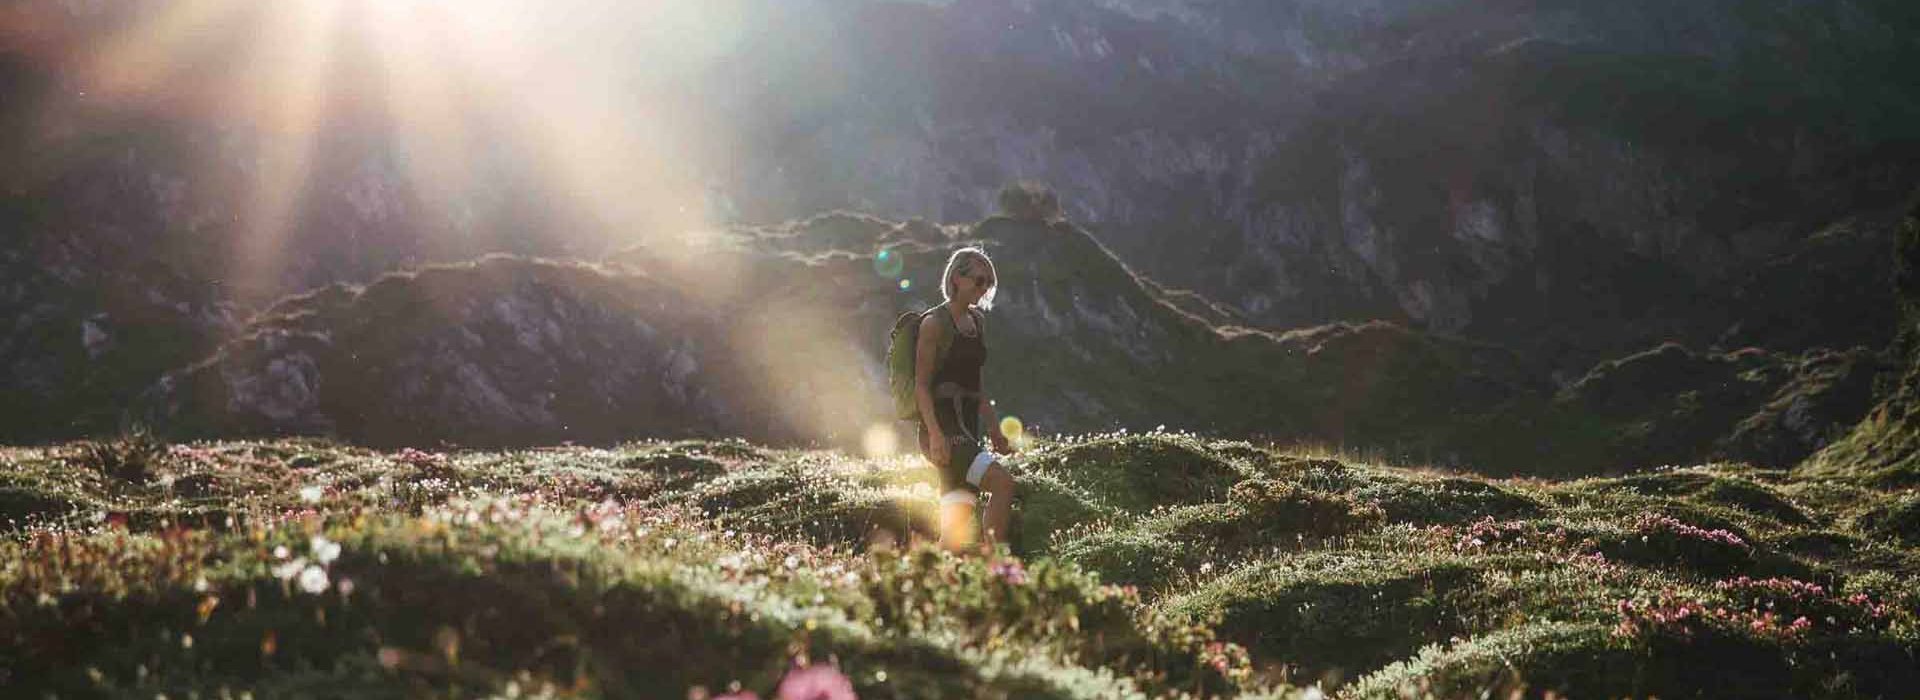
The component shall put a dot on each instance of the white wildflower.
(323, 549)
(287, 570)
(310, 494)
(313, 579)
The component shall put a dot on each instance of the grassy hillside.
(1148, 565)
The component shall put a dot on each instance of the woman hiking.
(954, 394)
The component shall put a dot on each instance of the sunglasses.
(981, 281)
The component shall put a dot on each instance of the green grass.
(1151, 566)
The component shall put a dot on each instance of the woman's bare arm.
(926, 351)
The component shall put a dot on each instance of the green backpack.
(900, 356)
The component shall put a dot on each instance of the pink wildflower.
(816, 683)
(1792, 588)
(1655, 522)
(419, 458)
(1010, 571)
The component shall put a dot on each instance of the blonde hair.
(965, 259)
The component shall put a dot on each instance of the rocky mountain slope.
(1576, 181)
(777, 334)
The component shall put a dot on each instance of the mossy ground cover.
(1147, 565)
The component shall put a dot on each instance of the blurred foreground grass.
(1148, 565)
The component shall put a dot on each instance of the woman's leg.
(956, 521)
(997, 484)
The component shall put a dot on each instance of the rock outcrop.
(1884, 448)
(777, 334)
(500, 351)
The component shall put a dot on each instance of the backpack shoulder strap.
(947, 331)
(938, 310)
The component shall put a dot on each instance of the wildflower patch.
(1656, 538)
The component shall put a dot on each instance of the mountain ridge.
(773, 334)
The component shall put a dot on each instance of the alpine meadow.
(868, 349)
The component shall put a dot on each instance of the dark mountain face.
(1577, 181)
(1580, 179)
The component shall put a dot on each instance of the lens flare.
(888, 264)
(1015, 430)
(905, 285)
(880, 441)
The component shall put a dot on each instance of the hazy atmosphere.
(829, 349)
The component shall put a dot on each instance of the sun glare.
(595, 90)
(286, 79)
(598, 104)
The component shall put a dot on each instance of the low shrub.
(1659, 539)
(134, 457)
(1319, 474)
(1450, 500)
(1285, 507)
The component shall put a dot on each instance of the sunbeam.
(426, 96)
(286, 78)
(601, 110)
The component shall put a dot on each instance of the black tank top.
(960, 418)
(965, 357)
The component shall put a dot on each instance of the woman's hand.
(1002, 445)
(937, 448)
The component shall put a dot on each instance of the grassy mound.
(1709, 488)
(1332, 616)
(1135, 474)
(1152, 566)
(1258, 515)
(1899, 520)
